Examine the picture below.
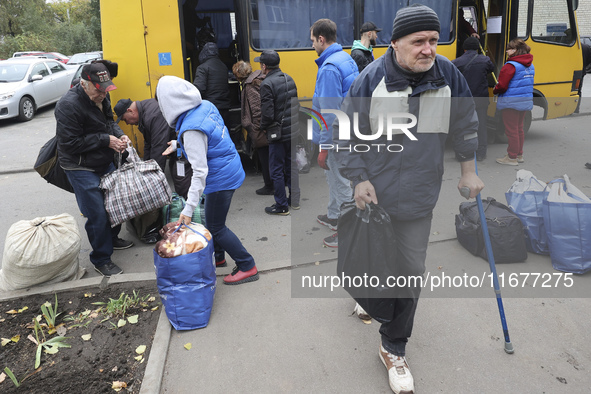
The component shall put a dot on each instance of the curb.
(154, 371)
(157, 359)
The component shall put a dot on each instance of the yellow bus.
(150, 38)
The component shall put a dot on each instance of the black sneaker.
(332, 241)
(330, 223)
(265, 191)
(119, 244)
(108, 269)
(275, 210)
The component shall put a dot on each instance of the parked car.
(56, 56)
(86, 57)
(29, 83)
(27, 53)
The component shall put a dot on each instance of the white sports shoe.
(399, 376)
(361, 313)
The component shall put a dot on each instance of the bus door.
(549, 28)
(143, 37)
(217, 21)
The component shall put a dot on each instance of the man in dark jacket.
(157, 133)
(280, 121)
(401, 169)
(211, 78)
(362, 51)
(475, 68)
(87, 141)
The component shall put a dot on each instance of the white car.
(27, 84)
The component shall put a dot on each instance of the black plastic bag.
(367, 249)
(48, 166)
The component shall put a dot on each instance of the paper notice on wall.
(494, 24)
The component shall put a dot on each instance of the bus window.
(284, 24)
(551, 23)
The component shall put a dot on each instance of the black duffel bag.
(48, 166)
(505, 230)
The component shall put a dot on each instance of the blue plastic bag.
(187, 285)
(567, 217)
(526, 198)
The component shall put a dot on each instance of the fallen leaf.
(114, 369)
(188, 346)
(12, 312)
(93, 315)
(140, 349)
(101, 370)
(132, 319)
(121, 323)
(24, 309)
(87, 295)
(86, 312)
(71, 312)
(32, 339)
(86, 337)
(2, 320)
(317, 263)
(139, 358)
(436, 233)
(2, 377)
(155, 308)
(151, 299)
(5, 341)
(366, 321)
(117, 386)
(15, 338)
(51, 331)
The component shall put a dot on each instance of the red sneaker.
(237, 277)
(221, 263)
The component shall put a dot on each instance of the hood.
(210, 49)
(6, 87)
(254, 75)
(175, 97)
(358, 45)
(526, 59)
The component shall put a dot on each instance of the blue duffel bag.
(526, 198)
(567, 217)
(186, 285)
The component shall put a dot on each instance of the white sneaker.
(399, 376)
(361, 313)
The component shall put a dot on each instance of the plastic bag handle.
(183, 224)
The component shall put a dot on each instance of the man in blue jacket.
(402, 171)
(336, 72)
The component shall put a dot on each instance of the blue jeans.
(339, 188)
(91, 203)
(217, 205)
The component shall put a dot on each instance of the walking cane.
(465, 192)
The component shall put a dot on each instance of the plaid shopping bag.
(135, 188)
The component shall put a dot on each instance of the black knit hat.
(471, 43)
(414, 18)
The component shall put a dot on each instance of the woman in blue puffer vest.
(217, 170)
(515, 89)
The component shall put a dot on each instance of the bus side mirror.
(575, 4)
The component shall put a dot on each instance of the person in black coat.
(157, 133)
(279, 119)
(475, 68)
(211, 78)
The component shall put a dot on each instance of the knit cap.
(471, 43)
(414, 18)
